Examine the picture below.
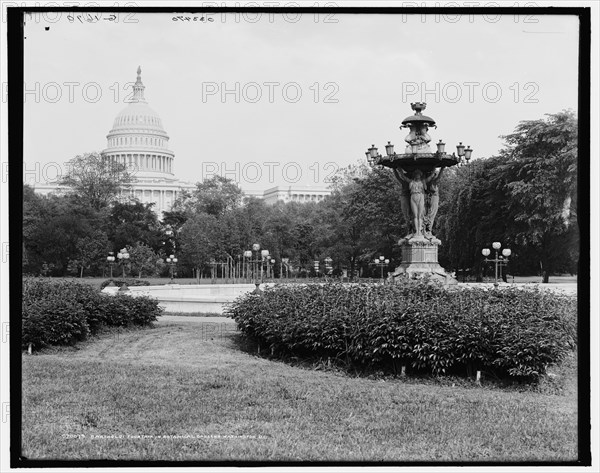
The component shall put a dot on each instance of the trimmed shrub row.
(64, 312)
(511, 331)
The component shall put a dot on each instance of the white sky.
(369, 66)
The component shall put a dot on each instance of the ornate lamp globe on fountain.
(418, 170)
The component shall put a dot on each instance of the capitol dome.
(138, 139)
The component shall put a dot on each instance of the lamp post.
(271, 268)
(498, 260)
(328, 266)
(171, 261)
(257, 257)
(110, 259)
(247, 258)
(382, 262)
(284, 262)
(123, 257)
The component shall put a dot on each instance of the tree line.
(525, 197)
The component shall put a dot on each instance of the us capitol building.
(139, 141)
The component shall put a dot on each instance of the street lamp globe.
(389, 148)
(496, 245)
(255, 247)
(387, 261)
(506, 252)
(265, 253)
(373, 151)
(485, 252)
(248, 254)
(468, 153)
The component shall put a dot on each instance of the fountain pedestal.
(420, 258)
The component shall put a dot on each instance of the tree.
(362, 218)
(541, 177)
(198, 238)
(90, 251)
(134, 221)
(214, 196)
(144, 260)
(96, 180)
(52, 227)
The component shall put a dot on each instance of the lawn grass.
(187, 391)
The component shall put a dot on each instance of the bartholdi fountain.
(418, 170)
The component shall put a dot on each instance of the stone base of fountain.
(420, 259)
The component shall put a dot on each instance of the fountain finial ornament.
(418, 107)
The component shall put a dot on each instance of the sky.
(272, 100)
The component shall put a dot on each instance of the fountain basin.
(190, 298)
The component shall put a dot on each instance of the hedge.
(57, 312)
(510, 332)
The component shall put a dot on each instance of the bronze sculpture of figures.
(434, 200)
(413, 200)
(405, 204)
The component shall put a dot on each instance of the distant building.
(138, 140)
(295, 194)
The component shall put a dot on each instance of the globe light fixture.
(441, 147)
(373, 152)
(498, 260)
(468, 153)
(389, 149)
(171, 261)
(382, 262)
(111, 262)
(123, 257)
(257, 258)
